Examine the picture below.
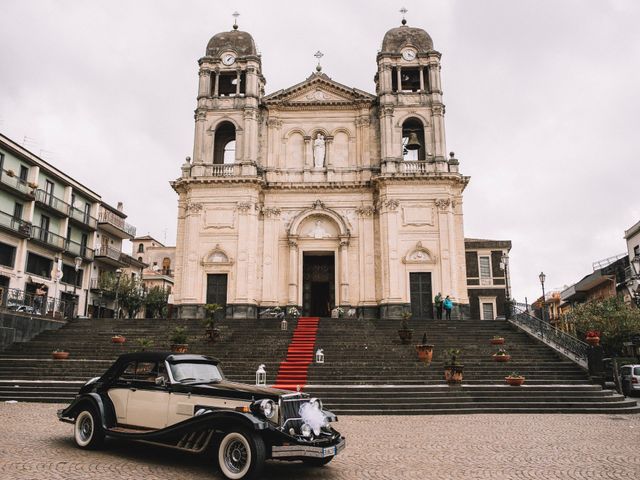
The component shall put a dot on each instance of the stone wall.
(19, 328)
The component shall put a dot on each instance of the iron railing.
(19, 301)
(52, 201)
(79, 249)
(45, 236)
(107, 216)
(107, 251)
(16, 224)
(83, 217)
(569, 345)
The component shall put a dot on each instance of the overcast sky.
(542, 97)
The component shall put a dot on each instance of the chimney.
(120, 207)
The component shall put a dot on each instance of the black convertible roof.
(161, 356)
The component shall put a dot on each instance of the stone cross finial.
(235, 16)
(404, 11)
(318, 55)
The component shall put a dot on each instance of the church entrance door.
(217, 288)
(421, 295)
(318, 290)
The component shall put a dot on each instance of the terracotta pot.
(405, 336)
(593, 341)
(213, 334)
(60, 355)
(502, 358)
(425, 353)
(453, 374)
(118, 339)
(179, 347)
(497, 341)
(514, 381)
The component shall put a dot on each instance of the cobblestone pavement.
(35, 445)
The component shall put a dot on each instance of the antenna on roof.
(404, 11)
(235, 16)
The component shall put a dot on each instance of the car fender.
(97, 402)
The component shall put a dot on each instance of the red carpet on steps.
(293, 371)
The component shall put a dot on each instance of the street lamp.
(542, 278)
(505, 267)
(118, 275)
(77, 263)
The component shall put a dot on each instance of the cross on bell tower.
(318, 55)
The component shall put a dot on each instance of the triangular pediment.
(318, 89)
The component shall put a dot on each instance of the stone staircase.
(366, 372)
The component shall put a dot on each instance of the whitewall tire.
(88, 432)
(241, 455)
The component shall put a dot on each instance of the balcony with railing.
(51, 203)
(111, 256)
(14, 225)
(10, 182)
(78, 250)
(84, 219)
(47, 238)
(115, 225)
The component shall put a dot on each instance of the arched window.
(141, 248)
(224, 149)
(409, 127)
(139, 259)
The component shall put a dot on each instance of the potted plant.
(211, 310)
(497, 340)
(144, 343)
(405, 333)
(293, 312)
(514, 379)
(60, 354)
(118, 339)
(425, 350)
(501, 355)
(32, 185)
(453, 369)
(593, 338)
(11, 173)
(179, 339)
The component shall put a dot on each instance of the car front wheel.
(241, 455)
(88, 432)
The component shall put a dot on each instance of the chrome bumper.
(287, 451)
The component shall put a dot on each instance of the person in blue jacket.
(448, 305)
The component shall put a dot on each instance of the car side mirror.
(160, 381)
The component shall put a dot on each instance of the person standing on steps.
(437, 301)
(448, 305)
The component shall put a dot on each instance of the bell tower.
(410, 93)
(230, 88)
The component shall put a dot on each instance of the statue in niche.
(319, 231)
(318, 151)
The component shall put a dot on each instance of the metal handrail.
(52, 201)
(107, 251)
(82, 216)
(79, 249)
(32, 304)
(53, 239)
(16, 224)
(109, 217)
(15, 182)
(570, 346)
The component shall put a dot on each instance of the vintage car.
(184, 401)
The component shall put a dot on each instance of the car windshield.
(187, 372)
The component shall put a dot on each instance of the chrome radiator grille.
(291, 411)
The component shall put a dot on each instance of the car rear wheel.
(88, 432)
(241, 455)
(317, 462)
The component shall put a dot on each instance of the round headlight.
(305, 430)
(268, 408)
(316, 403)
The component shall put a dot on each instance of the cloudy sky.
(542, 103)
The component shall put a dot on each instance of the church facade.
(320, 195)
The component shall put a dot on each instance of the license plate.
(329, 451)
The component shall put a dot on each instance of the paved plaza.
(34, 445)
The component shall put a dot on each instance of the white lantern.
(319, 356)
(261, 376)
(284, 325)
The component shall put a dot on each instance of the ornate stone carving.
(293, 243)
(438, 109)
(392, 204)
(244, 207)
(419, 254)
(250, 112)
(193, 207)
(319, 231)
(366, 210)
(442, 203)
(318, 204)
(274, 122)
(363, 122)
(386, 111)
(271, 212)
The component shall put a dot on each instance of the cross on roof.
(403, 11)
(235, 16)
(318, 55)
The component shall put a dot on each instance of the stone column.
(367, 267)
(216, 84)
(204, 84)
(344, 271)
(198, 142)
(270, 284)
(442, 205)
(244, 245)
(438, 126)
(421, 79)
(399, 77)
(238, 78)
(293, 271)
(251, 134)
(389, 241)
(308, 152)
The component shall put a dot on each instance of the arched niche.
(419, 255)
(331, 222)
(216, 257)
